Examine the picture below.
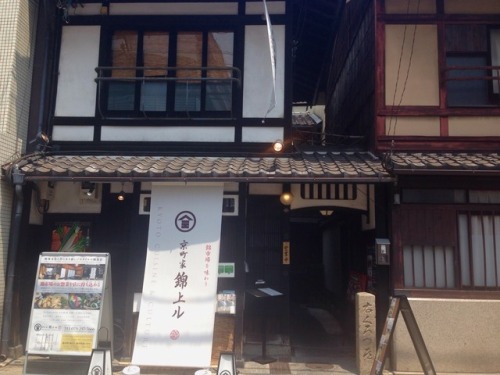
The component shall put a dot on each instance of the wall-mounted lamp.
(286, 198)
(120, 189)
(89, 187)
(278, 145)
(105, 8)
(121, 196)
(42, 141)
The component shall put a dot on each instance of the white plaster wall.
(262, 134)
(257, 7)
(73, 133)
(258, 79)
(461, 335)
(167, 134)
(67, 198)
(77, 63)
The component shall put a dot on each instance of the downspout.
(17, 180)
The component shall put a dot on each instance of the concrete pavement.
(342, 366)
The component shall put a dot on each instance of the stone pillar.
(366, 332)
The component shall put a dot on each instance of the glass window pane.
(155, 51)
(220, 50)
(483, 233)
(121, 96)
(154, 96)
(469, 89)
(408, 266)
(463, 231)
(124, 53)
(188, 96)
(484, 196)
(428, 266)
(219, 96)
(433, 196)
(429, 275)
(477, 251)
(495, 56)
(450, 266)
(418, 265)
(220, 56)
(189, 56)
(155, 55)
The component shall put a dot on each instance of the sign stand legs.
(264, 359)
(401, 303)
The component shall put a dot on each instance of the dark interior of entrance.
(325, 252)
(314, 321)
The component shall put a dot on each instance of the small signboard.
(71, 309)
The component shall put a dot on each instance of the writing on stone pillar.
(367, 331)
(366, 346)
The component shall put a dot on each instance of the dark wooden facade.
(416, 81)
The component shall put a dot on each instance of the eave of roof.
(445, 163)
(301, 167)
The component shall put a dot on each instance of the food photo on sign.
(71, 237)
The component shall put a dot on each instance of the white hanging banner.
(176, 317)
(272, 52)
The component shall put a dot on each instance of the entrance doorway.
(313, 322)
(325, 251)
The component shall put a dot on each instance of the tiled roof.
(310, 166)
(442, 163)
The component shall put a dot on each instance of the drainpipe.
(17, 180)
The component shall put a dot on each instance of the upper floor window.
(472, 65)
(168, 74)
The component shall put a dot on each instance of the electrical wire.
(395, 108)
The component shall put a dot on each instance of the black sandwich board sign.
(71, 311)
(400, 303)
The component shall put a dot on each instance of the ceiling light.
(326, 212)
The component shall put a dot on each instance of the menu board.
(71, 293)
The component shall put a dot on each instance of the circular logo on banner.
(225, 372)
(174, 335)
(96, 370)
(38, 327)
(185, 221)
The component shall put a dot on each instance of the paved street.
(343, 366)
